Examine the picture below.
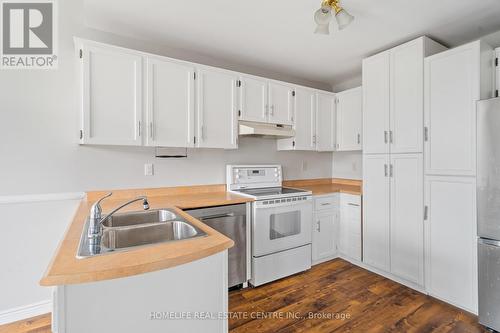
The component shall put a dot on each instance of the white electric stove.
(281, 221)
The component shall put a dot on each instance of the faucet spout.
(96, 219)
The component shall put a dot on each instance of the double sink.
(126, 231)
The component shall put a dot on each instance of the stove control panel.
(253, 176)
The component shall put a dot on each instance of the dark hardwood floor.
(335, 296)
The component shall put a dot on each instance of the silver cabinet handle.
(385, 170)
(353, 204)
(325, 204)
(385, 136)
(151, 130)
(426, 133)
(314, 139)
(319, 226)
(390, 136)
(359, 138)
(391, 173)
(202, 130)
(272, 110)
(139, 128)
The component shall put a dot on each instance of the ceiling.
(277, 35)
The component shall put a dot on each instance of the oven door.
(281, 224)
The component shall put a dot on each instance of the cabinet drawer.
(351, 200)
(325, 202)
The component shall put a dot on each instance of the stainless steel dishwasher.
(230, 221)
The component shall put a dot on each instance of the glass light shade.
(322, 29)
(343, 19)
(323, 16)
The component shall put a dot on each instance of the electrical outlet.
(148, 169)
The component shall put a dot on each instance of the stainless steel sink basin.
(142, 217)
(126, 231)
(120, 238)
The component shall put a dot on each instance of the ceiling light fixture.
(323, 17)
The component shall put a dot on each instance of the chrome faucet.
(96, 220)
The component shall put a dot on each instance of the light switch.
(148, 169)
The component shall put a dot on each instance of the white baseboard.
(24, 312)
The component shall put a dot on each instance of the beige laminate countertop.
(327, 186)
(66, 269)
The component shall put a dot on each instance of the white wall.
(347, 164)
(39, 154)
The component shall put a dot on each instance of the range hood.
(250, 128)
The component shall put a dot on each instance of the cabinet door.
(350, 226)
(325, 122)
(324, 244)
(280, 104)
(376, 92)
(253, 99)
(407, 97)
(305, 122)
(450, 240)
(170, 103)
(217, 120)
(407, 226)
(451, 91)
(376, 219)
(349, 119)
(112, 96)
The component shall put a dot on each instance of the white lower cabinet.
(393, 215)
(450, 240)
(350, 226)
(407, 215)
(376, 214)
(325, 228)
(324, 235)
(336, 227)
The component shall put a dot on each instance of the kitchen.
(348, 190)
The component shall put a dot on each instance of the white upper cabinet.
(393, 98)
(349, 119)
(376, 211)
(280, 103)
(376, 92)
(454, 81)
(407, 228)
(216, 109)
(326, 120)
(266, 101)
(112, 95)
(253, 99)
(305, 119)
(406, 97)
(305, 122)
(170, 95)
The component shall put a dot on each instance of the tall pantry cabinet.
(393, 102)
(454, 81)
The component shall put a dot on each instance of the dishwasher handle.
(216, 216)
